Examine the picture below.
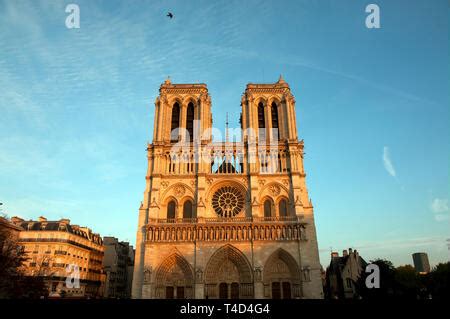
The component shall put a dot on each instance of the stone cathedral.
(229, 219)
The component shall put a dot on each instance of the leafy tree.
(13, 281)
(439, 281)
(387, 282)
(406, 282)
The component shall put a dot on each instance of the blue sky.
(372, 105)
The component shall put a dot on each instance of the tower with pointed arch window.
(226, 219)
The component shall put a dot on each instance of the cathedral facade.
(232, 219)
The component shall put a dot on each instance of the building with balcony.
(69, 257)
(228, 219)
(118, 259)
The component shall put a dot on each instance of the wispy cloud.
(440, 209)
(388, 162)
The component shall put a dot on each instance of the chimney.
(345, 253)
(42, 219)
(334, 254)
(64, 221)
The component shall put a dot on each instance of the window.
(282, 208)
(171, 210)
(274, 112)
(267, 208)
(187, 209)
(190, 122)
(175, 122)
(261, 122)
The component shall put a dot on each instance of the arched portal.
(281, 276)
(228, 275)
(174, 279)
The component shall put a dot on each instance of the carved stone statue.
(199, 274)
(306, 273)
(147, 275)
(258, 273)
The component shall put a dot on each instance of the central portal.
(228, 275)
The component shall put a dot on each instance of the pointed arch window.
(261, 122)
(275, 125)
(190, 121)
(175, 124)
(171, 210)
(187, 210)
(282, 208)
(267, 208)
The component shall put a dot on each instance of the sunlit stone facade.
(231, 219)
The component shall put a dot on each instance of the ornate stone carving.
(147, 275)
(199, 275)
(228, 201)
(179, 190)
(154, 203)
(262, 182)
(258, 274)
(298, 202)
(200, 203)
(306, 272)
(164, 184)
(274, 190)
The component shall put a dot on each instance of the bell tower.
(268, 113)
(182, 111)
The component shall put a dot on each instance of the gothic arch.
(175, 99)
(281, 270)
(171, 191)
(288, 205)
(264, 202)
(260, 99)
(275, 99)
(229, 266)
(174, 274)
(190, 99)
(274, 192)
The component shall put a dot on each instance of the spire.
(226, 129)
(281, 80)
(167, 81)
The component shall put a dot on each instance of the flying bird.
(170, 15)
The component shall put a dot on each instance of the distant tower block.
(421, 263)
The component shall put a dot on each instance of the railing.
(219, 230)
(224, 158)
(224, 220)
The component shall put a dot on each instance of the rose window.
(228, 201)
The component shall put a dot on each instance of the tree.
(387, 281)
(13, 280)
(407, 284)
(439, 281)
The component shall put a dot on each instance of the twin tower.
(232, 219)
